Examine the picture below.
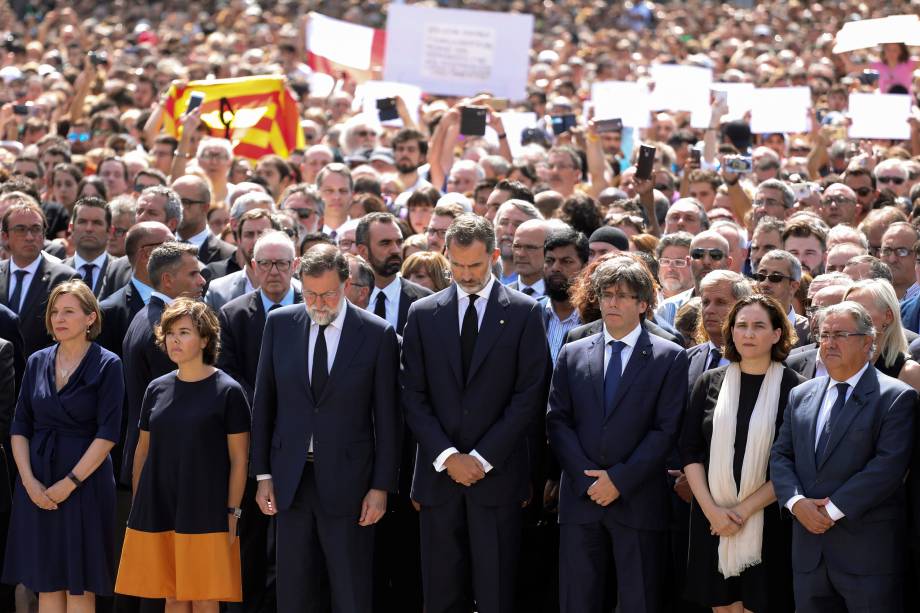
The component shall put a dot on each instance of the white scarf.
(742, 550)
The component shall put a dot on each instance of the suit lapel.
(37, 287)
(640, 355)
(811, 406)
(493, 323)
(204, 250)
(698, 363)
(405, 301)
(4, 282)
(100, 277)
(865, 388)
(448, 324)
(596, 368)
(350, 342)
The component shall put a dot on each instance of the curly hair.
(204, 320)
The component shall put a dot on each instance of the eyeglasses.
(838, 336)
(673, 262)
(303, 213)
(213, 155)
(30, 175)
(837, 201)
(895, 180)
(773, 277)
(616, 297)
(443, 233)
(768, 202)
(862, 192)
(21, 230)
(714, 254)
(78, 137)
(901, 252)
(120, 231)
(311, 297)
(346, 244)
(190, 202)
(364, 133)
(281, 265)
(560, 166)
(661, 187)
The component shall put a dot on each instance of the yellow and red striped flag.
(257, 114)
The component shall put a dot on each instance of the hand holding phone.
(473, 120)
(645, 162)
(386, 109)
(195, 99)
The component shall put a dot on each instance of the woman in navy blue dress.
(62, 531)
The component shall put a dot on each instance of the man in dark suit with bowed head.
(27, 278)
(475, 360)
(838, 465)
(325, 437)
(614, 411)
(379, 241)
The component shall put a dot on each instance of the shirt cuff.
(439, 461)
(486, 467)
(792, 502)
(263, 477)
(833, 512)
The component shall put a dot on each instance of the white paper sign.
(867, 33)
(879, 116)
(514, 124)
(740, 98)
(367, 94)
(626, 100)
(680, 88)
(340, 41)
(459, 52)
(780, 109)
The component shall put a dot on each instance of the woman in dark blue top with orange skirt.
(62, 530)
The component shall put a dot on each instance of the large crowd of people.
(405, 369)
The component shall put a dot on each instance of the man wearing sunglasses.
(892, 174)
(304, 204)
(779, 276)
(708, 251)
(861, 181)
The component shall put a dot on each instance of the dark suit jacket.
(119, 275)
(32, 315)
(8, 390)
(105, 279)
(596, 326)
(698, 358)
(862, 472)
(409, 292)
(53, 249)
(118, 311)
(492, 410)
(805, 361)
(355, 424)
(910, 314)
(143, 362)
(9, 331)
(213, 250)
(241, 323)
(221, 268)
(802, 330)
(631, 443)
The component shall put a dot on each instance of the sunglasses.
(303, 213)
(895, 180)
(773, 277)
(862, 192)
(714, 254)
(78, 137)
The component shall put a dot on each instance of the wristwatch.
(235, 511)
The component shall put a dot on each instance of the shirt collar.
(630, 339)
(143, 289)
(98, 262)
(791, 316)
(339, 321)
(852, 381)
(268, 303)
(166, 299)
(551, 312)
(713, 346)
(484, 293)
(391, 291)
(539, 287)
(31, 268)
(199, 238)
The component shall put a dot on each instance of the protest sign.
(879, 116)
(780, 109)
(626, 100)
(335, 46)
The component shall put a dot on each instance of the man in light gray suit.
(838, 466)
(253, 224)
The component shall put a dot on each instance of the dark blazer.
(862, 472)
(910, 313)
(409, 292)
(32, 315)
(9, 331)
(596, 326)
(213, 250)
(698, 358)
(631, 443)
(9, 388)
(118, 311)
(805, 361)
(241, 323)
(143, 362)
(118, 275)
(802, 330)
(105, 279)
(56, 250)
(355, 424)
(221, 268)
(492, 410)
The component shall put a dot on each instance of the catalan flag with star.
(258, 115)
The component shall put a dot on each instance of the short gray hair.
(627, 271)
(166, 258)
(788, 194)
(859, 314)
(795, 267)
(276, 237)
(123, 205)
(251, 200)
(467, 228)
(523, 206)
(309, 192)
(674, 239)
(740, 287)
(364, 274)
(173, 206)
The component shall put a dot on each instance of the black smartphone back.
(386, 109)
(646, 162)
(473, 120)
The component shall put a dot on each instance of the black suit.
(473, 532)
(32, 314)
(103, 279)
(213, 250)
(699, 358)
(8, 388)
(9, 331)
(118, 275)
(355, 427)
(409, 292)
(118, 311)
(220, 268)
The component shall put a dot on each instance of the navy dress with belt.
(71, 548)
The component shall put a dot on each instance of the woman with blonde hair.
(428, 269)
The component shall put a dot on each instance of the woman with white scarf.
(739, 557)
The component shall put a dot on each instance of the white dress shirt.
(332, 333)
(97, 263)
(626, 352)
(722, 360)
(830, 398)
(463, 301)
(539, 288)
(392, 294)
(26, 280)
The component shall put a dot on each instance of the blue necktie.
(715, 356)
(613, 374)
(16, 297)
(828, 425)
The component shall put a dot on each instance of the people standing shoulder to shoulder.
(61, 541)
(189, 473)
(739, 542)
(838, 466)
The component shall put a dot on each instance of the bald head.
(141, 239)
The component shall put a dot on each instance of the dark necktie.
(468, 333)
(529, 291)
(320, 373)
(273, 307)
(613, 374)
(88, 274)
(16, 296)
(380, 308)
(333, 234)
(831, 420)
(715, 356)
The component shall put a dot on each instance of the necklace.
(68, 370)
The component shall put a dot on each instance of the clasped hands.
(602, 491)
(48, 498)
(813, 515)
(464, 469)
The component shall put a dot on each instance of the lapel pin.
(501, 321)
